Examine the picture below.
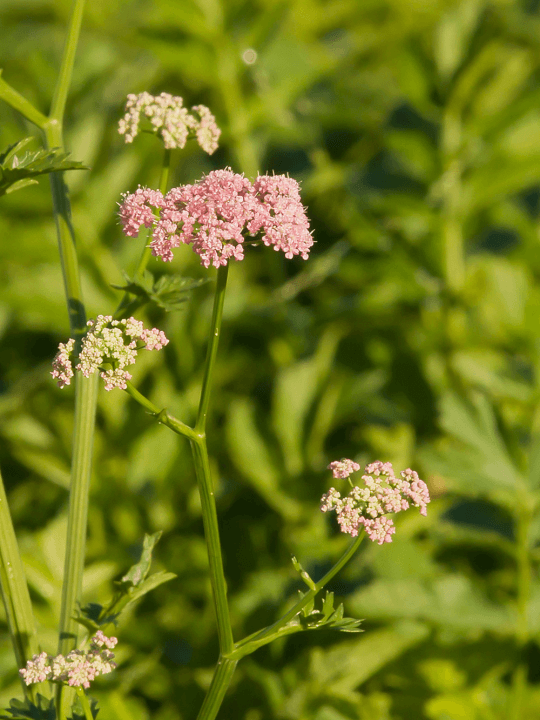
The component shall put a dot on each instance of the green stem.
(263, 637)
(68, 59)
(213, 546)
(162, 415)
(85, 409)
(220, 682)
(21, 104)
(14, 590)
(217, 314)
(85, 704)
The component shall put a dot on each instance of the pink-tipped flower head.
(109, 346)
(77, 668)
(382, 493)
(219, 214)
(166, 115)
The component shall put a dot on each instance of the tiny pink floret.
(77, 668)
(381, 494)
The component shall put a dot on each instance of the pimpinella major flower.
(108, 346)
(166, 115)
(382, 493)
(218, 214)
(77, 668)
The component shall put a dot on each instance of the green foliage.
(133, 586)
(167, 292)
(411, 335)
(17, 172)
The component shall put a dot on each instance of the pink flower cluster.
(217, 214)
(110, 346)
(171, 120)
(382, 493)
(77, 668)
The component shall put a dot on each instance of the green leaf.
(310, 618)
(43, 710)
(167, 292)
(19, 172)
(130, 588)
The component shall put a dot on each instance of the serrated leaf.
(18, 172)
(21, 710)
(167, 292)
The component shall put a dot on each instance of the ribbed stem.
(220, 682)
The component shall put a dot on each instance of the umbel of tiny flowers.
(110, 346)
(382, 493)
(77, 668)
(169, 118)
(217, 214)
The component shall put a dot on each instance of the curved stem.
(217, 314)
(263, 637)
(220, 682)
(162, 415)
(211, 533)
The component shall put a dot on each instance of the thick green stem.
(263, 637)
(211, 354)
(220, 682)
(68, 59)
(85, 409)
(211, 533)
(14, 590)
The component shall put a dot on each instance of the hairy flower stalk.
(77, 668)
(166, 116)
(382, 493)
(110, 346)
(218, 214)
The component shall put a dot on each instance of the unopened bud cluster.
(77, 668)
(382, 493)
(110, 346)
(169, 118)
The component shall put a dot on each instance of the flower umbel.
(77, 668)
(169, 118)
(218, 214)
(382, 493)
(110, 346)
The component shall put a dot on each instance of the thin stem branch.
(162, 415)
(220, 683)
(263, 637)
(217, 314)
(21, 104)
(213, 545)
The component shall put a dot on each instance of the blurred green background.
(411, 335)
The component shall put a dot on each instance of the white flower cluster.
(169, 118)
(110, 346)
